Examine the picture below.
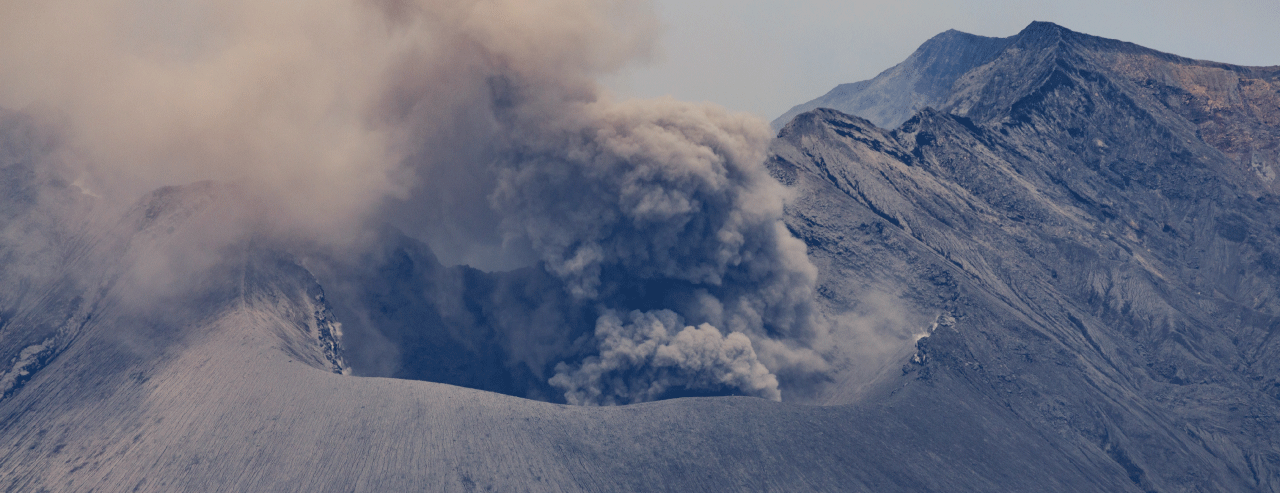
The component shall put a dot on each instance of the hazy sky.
(764, 56)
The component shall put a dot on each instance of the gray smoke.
(648, 355)
(673, 197)
(475, 125)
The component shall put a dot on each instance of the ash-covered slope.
(1106, 267)
(226, 375)
(1092, 274)
(232, 380)
(923, 80)
(1234, 109)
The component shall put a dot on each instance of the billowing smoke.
(644, 358)
(664, 205)
(153, 93)
(475, 125)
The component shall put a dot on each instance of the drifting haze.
(477, 125)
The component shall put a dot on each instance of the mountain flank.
(1054, 260)
(1234, 109)
(1079, 206)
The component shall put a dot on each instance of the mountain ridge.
(1056, 279)
(1235, 108)
(1081, 214)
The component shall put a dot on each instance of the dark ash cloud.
(475, 125)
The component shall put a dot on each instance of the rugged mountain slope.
(1234, 109)
(1109, 266)
(225, 377)
(1061, 279)
(233, 383)
(923, 80)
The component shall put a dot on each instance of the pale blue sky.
(764, 56)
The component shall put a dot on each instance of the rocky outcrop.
(1108, 263)
(1056, 273)
(923, 80)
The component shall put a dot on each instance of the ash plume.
(645, 356)
(475, 125)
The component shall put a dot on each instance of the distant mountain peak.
(1044, 34)
(953, 35)
(1119, 200)
(923, 79)
(991, 79)
(926, 77)
(1044, 26)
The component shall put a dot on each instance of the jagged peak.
(926, 116)
(951, 40)
(1050, 35)
(927, 76)
(953, 35)
(1044, 27)
(1041, 35)
(840, 118)
(830, 113)
(805, 122)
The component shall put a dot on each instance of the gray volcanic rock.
(1064, 278)
(1106, 270)
(1232, 108)
(235, 384)
(923, 80)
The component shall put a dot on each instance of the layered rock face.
(1234, 109)
(1080, 213)
(1058, 272)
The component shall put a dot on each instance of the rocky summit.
(1096, 224)
(1052, 262)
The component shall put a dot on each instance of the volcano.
(1052, 261)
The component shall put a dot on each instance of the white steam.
(476, 125)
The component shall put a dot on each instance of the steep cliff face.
(1105, 266)
(1059, 272)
